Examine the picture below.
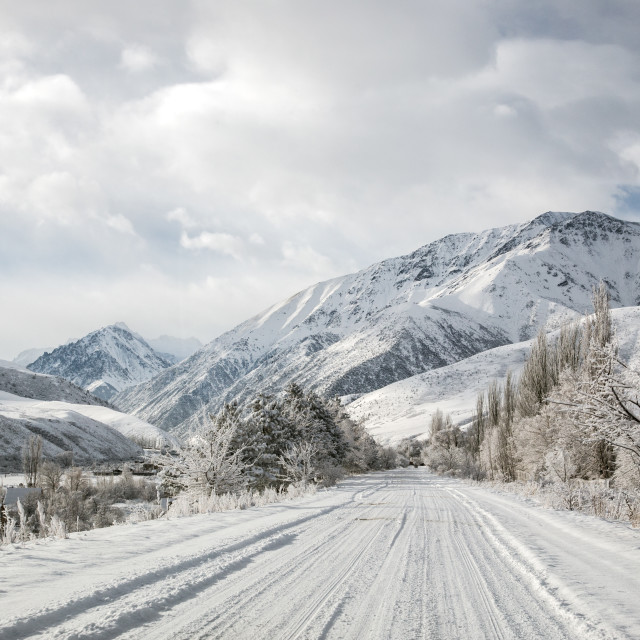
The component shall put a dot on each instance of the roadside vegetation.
(70, 499)
(567, 432)
(275, 448)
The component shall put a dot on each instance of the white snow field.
(400, 554)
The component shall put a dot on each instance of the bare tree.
(50, 476)
(75, 479)
(31, 460)
(208, 463)
(297, 463)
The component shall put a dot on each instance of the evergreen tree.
(277, 434)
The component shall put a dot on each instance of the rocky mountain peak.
(104, 361)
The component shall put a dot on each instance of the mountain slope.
(67, 418)
(104, 361)
(44, 387)
(404, 409)
(445, 302)
(62, 427)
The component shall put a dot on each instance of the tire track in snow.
(267, 572)
(521, 561)
(40, 621)
(399, 555)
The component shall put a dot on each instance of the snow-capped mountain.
(174, 349)
(444, 302)
(104, 361)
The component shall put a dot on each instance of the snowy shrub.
(191, 503)
(57, 528)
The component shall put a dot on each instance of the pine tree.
(277, 432)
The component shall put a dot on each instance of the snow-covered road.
(401, 554)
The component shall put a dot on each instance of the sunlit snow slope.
(445, 302)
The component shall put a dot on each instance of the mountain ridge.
(446, 301)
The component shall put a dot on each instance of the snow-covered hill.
(404, 409)
(445, 302)
(38, 386)
(63, 427)
(67, 418)
(104, 361)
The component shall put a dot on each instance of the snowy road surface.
(401, 554)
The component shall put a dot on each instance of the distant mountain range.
(174, 349)
(109, 359)
(445, 302)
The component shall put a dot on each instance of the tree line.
(573, 415)
(299, 438)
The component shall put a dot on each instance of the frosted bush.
(57, 528)
(190, 503)
(593, 497)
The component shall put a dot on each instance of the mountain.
(445, 302)
(174, 349)
(104, 361)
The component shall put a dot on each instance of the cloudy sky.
(182, 165)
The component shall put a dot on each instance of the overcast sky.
(181, 165)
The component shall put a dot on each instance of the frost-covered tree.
(600, 397)
(208, 463)
(478, 425)
(297, 463)
(605, 402)
(536, 380)
(276, 433)
(316, 423)
(506, 452)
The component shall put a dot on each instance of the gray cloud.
(181, 166)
